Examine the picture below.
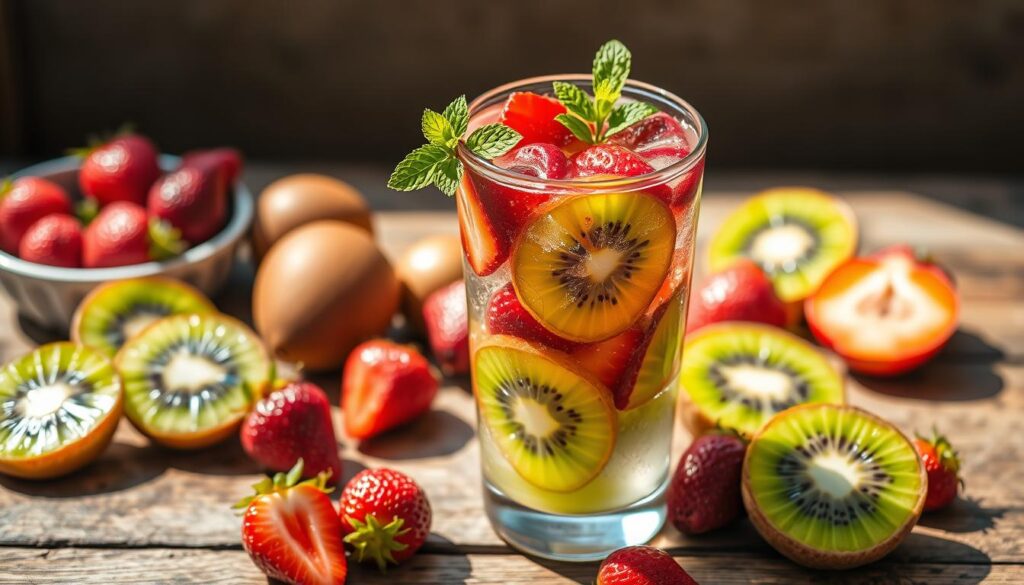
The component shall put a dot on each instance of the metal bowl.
(48, 295)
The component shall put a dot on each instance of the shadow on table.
(120, 467)
(963, 516)
(925, 548)
(435, 433)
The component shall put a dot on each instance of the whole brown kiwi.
(320, 290)
(296, 200)
(428, 265)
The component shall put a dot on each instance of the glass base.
(582, 538)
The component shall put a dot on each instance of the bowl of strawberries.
(118, 210)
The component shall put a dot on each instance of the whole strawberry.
(123, 234)
(642, 565)
(55, 240)
(192, 199)
(942, 464)
(447, 319)
(25, 201)
(290, 424)
(705, 491)
(122, 169)
(741, 292)
(384, 385)
(228, 159)
(292, 532)
(385, 516)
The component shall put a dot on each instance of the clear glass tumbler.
(577, 300)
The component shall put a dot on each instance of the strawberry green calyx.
(436, 162)
(947, 456)
(86, 210)
(164, 240)
(282, 482)
(375, 541)
(95, 141)
(5, 187)
(595, 119)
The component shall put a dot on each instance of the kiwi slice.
(831, 486)
(190, 379)
(797, 235)
(661, 360)
(555, 426)
(591, 266)
(116, 311)
(738, 375)
(59, 406)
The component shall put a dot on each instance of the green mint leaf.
(417, 168)
(457, 114)
(578, 127)
(447, 175)
(574, 99)
(493, 140)
(626, 115)
(611, 64)
(436, 128)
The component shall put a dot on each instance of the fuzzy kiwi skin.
(74, 455)
(812, 557)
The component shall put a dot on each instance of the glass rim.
(487, 168)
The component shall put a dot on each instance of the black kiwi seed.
(793, 264)
(209, 393)
(799, 390)
(581, 289)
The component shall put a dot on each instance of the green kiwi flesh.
(832, 486)
(738, 375)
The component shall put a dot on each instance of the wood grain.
(34, 565)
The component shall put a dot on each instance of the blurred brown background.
(932, 85)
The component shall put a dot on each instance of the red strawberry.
(227, 159)
(705, 490)
(447, 319)
(55, 240)
(486, 249)
(507, 316)
(290, 424)
(541, 160)
(533, 116)
(684, 188)
(642, 565)
(292, 532)
(24, 202)
(610, 159)
(741, 292)
(192, 199)
(657, 131)
(123, 169)
(385, 516)
(942, 465)
(384, 385)
(122, 234)
(610, 359)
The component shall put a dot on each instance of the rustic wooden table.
(144, 515)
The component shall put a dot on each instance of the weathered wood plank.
(102, 566)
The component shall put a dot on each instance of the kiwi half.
(738, 375)
(114, 312)
(832, 487)
(190, 379)
(797, 236)
(555, 426)
(590, 267)
(59, 407)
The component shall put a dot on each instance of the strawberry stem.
(375, 541)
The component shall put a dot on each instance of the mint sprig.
(435, 163)
(595, 119)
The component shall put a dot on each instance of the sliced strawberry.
(541, 160)
(485, 248)
(507, 316)
(884, 315)
(658, 131)
(533, 116)
(55, 240)
(292, 532)
(610, 359)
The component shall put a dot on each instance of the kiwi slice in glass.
(832, 487)
(59, 407)
(555, 426)
(796, 235)
(116, 311)
(738, 375)
(591, 266)
(190, 379)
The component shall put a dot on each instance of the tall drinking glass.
(577, 300)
